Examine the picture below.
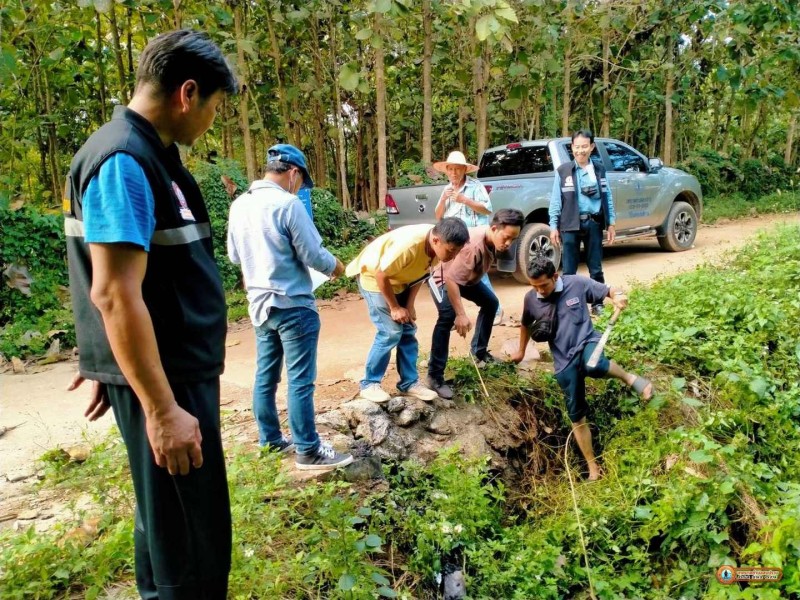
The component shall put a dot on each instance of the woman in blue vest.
(581, 207)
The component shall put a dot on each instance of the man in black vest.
(150, 312)
(581, 207)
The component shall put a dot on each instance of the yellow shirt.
(399, 253)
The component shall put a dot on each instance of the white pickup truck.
(649, 198)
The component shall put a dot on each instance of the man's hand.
(517, 357)
(401, 315)
(98, 402)
(460, 198)
(175, 439)
(612, 234)
(555, 238)
(338, 270)
(620, 301)
(463, 325)
(412, 312)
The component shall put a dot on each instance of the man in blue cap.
(272, 237)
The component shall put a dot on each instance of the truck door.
(633, 185)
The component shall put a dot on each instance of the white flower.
(248, 553)
(458, 528)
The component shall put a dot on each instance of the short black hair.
(452, 231)
(587, 133)
(508, 217)
(540, 265)
(277, 166)
(175, 57)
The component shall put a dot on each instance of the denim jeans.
(390, 335)
(481, 295)
(290, 333)
(591, 233)
(485, 279)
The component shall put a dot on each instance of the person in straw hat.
(465, 198)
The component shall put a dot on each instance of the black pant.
(182, 532)
(481, 295)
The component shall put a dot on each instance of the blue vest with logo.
(182, 287)
(570, 218)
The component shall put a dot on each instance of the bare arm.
(462, 323)
(399, 314)
(440, 206)
(118, 272)
(524, 338)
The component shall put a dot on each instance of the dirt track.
(46, 416)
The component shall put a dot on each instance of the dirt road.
(46, 416)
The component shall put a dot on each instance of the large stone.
(408, 416)
(363, 469)
(397, 444)
(334, 419)
(20, 474)
(374, 428)
(396, 404)
(355, 410)
(440, 425)
(472, 444)
(78, 453)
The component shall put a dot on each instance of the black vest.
(570, 217)
(182, 287)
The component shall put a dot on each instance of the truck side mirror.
(656, 164)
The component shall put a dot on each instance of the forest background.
(374, 91)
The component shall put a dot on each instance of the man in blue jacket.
(272, 236)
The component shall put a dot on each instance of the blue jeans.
(292, 333)
(481, 295)
(485, 279)
(390, 335)
(591, 233)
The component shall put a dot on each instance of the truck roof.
(539, 142)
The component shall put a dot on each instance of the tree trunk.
(461, 140)
(275, 53)
(341, 154)
(177, 14)
(380, 94)
(52, 142)
(605, 126)
(656, 129)
(760, 119)
(372, 175)
(565, 101)
(629, 116)
(787, 153)
(129, 36)
(123, 88)
(668, 127)
(479, 87)
(101, 74)
(244, 108)
(427, 101)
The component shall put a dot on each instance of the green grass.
(737, 206)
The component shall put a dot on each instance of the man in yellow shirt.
(390, 273)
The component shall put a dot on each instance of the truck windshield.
(515, 161)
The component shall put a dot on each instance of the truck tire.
(534, 241)
(679, 229)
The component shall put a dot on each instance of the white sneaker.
(498, 318)
(374, 393)
(421, 392)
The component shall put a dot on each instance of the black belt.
(587, 216)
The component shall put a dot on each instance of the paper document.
(317, 278)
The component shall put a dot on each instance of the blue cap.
(290, 155)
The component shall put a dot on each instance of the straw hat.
(455, 158)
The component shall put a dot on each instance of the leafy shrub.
(28, 323)
(411, 172)
(717, 174)
(209, 177)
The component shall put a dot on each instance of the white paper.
(317, 278)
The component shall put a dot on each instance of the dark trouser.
(591, 233)
(572, 380)
(481, 295)
(182, 530)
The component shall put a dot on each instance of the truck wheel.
(534, 241)
(680, 228)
